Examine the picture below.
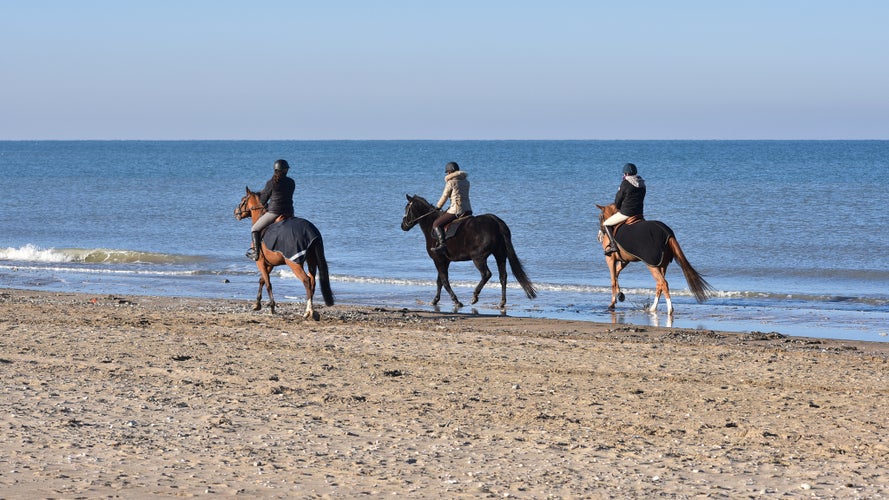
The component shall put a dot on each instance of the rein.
(417, 219)
(244, 209)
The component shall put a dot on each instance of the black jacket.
(630, 199)
(278, 196)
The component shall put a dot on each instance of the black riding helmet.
(630, 169)
(282, 165)
(451, 167)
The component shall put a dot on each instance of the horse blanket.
(291, 238)
(645, 240)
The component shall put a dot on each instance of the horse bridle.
(417, 219)
(243, 209)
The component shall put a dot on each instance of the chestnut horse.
(478, 238)
(618, 261)
(250, 206)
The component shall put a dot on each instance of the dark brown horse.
(620, 259)
(250, 206)
(479, 237)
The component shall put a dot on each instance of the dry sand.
(146, 396)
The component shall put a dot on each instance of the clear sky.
(456, 69)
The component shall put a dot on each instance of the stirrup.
(251, 254)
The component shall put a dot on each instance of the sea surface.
(792, 234)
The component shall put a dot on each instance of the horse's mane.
(607, 210)
(422, 202)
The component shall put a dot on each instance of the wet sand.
(138, 396)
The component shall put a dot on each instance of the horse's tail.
(323, 273)
(698, 285)
(514, 263)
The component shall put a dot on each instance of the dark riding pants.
(443, 220)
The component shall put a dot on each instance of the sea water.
(791, 234)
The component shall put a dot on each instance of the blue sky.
(476, 69)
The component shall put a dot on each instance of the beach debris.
(765, 336)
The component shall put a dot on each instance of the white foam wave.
(85, 270)
(511, 284)
(33, 253)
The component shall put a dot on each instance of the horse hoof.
(458, 304)
(621, 297)
(316, 316)
(257, 307)
(474, 299)
(434, 302)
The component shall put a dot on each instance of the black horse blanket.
(645, 240)
(291, 238)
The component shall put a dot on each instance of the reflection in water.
(656, 322)
(620, 318)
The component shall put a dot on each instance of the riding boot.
(257, 246)
(438, 234)
(612, 245)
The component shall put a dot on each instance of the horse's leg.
(481, 263)
(312, 272)
(501, 270)
(615, 267)
(268, 287)
(266, 281)
(258, 304)
(437, 290)
(661, 287)
(443, 281)
(308, 282)
(658, 279)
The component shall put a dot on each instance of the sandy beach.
(137, 396)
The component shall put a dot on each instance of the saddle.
(629, 222)
(451, 228)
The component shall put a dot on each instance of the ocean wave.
(103, 270)
(32, 253)
(881, 301)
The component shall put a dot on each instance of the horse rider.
(629, 200)
(277, 197)
(457, 191)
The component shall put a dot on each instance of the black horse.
(478, 237)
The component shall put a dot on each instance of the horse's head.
(249, 204)
(605, 212)
(416, 209)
